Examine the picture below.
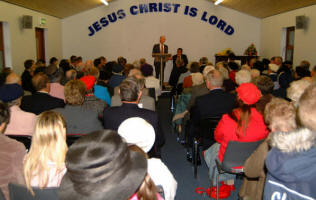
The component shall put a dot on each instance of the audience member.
(71, 74)
(27, 76)
(301, 72)
(150, 80)
(233, 68)
(3, 74)
(203, 63)
(243, 76)
(254, 73)
(53, 61)
(78, 119)
(91, 102)
(40, 101)
(265, 85)
(44, 165)
(296, 89)
(13, 78)
(117, 76)
(136, 131)
(195, 74)
(305, 64)
(130, 93)
(12, 154)
(100, 90)
(127, 69)
(280, 117)
(100, 166)
(290, 162)
(244, 123)
(65, 65)
(73, 61)
(272, 72)
(55, 76)
(21, 122)
(228, 83)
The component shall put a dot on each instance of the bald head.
(214, 79)
(13, 78)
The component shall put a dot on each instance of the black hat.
(10, 92)
(100, 166)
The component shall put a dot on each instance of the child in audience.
(292, 159)
(44, 165)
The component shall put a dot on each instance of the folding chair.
(235, 156)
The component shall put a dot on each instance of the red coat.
(227, 128)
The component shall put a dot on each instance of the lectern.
(162, 58)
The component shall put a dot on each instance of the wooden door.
(290, 35)
(1, 47)
(40, 43)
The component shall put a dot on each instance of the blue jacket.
(292, 175)
(102, 93)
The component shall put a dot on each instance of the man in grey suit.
(160, 48)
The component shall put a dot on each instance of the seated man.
(79, 120)
(21, 122)
(130, 93)
(117, 76)
(12, 154)
(40, 101)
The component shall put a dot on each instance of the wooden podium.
(162, 58)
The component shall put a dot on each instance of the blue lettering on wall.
(160, 7)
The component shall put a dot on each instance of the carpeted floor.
(174, 156)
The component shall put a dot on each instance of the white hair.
(295, 141)
(207, 69)
(296, 89)
(224, 72)
(243, 76)
(273, 67)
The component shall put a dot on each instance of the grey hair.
(296, 89)
(243, 76)
(224, 72)
(215, 78)
(296, 141)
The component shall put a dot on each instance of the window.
(289, 48)
(1, 47)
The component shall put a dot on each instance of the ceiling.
(257, 8)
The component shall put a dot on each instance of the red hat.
(248, 93)
(88, 81)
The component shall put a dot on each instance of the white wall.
(304, 44)
(134, 36)
(22, 43)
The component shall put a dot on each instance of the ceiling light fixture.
(105, 2)
(218, 2)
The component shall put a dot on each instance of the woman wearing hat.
(43, 165)
(100, 166)
(243, 124)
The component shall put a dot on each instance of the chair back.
(18, 192)
(207, 128)
(25, 139)
(237, 153)
(71, 138)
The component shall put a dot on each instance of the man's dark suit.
(177, 70)
(214, 104)
(156, 49)
(40, 102)
(114, 116)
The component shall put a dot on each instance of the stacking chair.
(25, 139)
(235, 156)
(71, 138)
(18, 192)
(206, 139)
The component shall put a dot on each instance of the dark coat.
(114, 116)
(40, 102)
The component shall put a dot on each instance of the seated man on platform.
(130, 93)
(40, 101)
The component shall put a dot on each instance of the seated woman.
(280, 115)
(100, 166)
(244, 124)
(291, 161)
(43, 165)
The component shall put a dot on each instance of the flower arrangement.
(251, 50)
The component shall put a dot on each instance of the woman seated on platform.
(44, 165)
(244, 124)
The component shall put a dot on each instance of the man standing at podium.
(160, 48)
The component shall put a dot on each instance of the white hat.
(137, 131)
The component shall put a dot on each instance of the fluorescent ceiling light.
(105, 2)
(218, 2)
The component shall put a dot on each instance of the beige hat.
(137, 131)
